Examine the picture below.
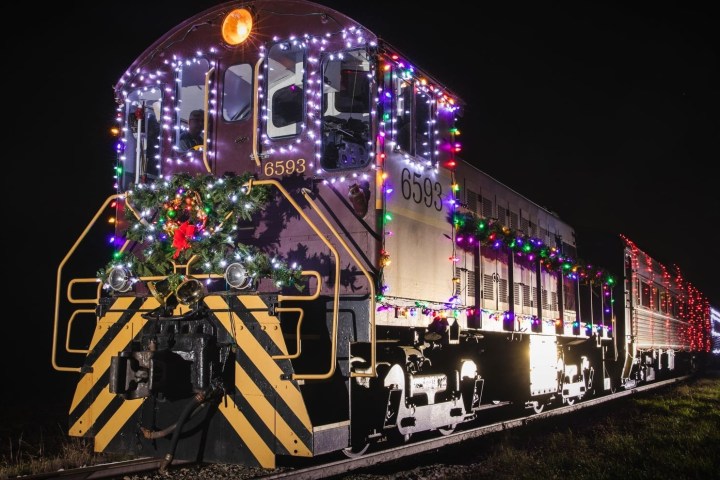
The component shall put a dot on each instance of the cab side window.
(414, 113)
(141, 140)
(191, 93)
(424, 138)
(403, 109)
(346, 110)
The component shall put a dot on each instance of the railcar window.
(141, 156)
(681, 309)
(655, 298)
(237, 93)
(190, 98)
(675, 306)
(645, 294)
(286, 81)
(664, 300)
(346, 110)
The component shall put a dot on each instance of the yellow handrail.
(255, 113)
(336, 292)
(306, 298)
(72, 299)
(371, 373)
(206, 117)
(58, 279)
(69, 329)
(297, 334)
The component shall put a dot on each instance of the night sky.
(607, 115)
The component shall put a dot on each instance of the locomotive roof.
(214, 16)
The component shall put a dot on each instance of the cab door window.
(237, 93)
(286, 100)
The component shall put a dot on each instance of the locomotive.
(320, 271)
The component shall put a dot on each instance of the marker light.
(237, 26)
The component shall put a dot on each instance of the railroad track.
(340, 467)
(103, 470)
(396, 453)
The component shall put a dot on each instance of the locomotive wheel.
(448, 430)
(355, 452)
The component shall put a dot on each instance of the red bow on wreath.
(181, 238)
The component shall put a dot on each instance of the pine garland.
(471, 228)
(186, 216)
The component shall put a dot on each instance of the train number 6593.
(421, 190)
(284, 167)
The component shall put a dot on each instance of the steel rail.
(104, 470)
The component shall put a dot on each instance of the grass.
(33, 440)
(673, 433)
(23, 458)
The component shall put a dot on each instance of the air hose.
(197, 400)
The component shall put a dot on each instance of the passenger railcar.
(318, 270)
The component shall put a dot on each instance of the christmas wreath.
(185, 216)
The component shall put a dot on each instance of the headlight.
(119, 278)
(237, 277)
